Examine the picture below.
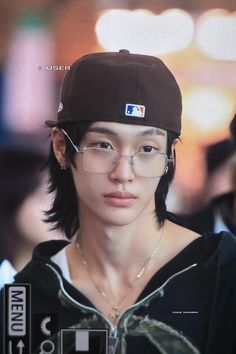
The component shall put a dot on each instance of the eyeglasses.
(101, 160)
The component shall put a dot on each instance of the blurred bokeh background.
(196, 39)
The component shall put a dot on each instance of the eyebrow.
(103, 130)
(152, 131)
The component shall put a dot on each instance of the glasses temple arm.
(74, 146)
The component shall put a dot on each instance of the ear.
(173, 147)
(173, 150)
(59, 146)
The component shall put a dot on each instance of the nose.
(123, 170)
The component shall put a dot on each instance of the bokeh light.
(209, 108)
(142, 31)
(216, 34)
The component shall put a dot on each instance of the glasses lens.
(98, 160)
(149, 164)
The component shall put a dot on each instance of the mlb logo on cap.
(134, 110)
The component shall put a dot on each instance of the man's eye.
(148, 148)
(102, 145)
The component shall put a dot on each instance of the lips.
(120, 195)
(120, 199)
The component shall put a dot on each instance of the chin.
(119, 219)
(112, 223)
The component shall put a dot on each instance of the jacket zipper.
(159, 290)
(113, 329)
(113, 340)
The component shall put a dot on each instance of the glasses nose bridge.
(123, 171)
(128, 157)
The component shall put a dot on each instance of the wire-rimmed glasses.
(103, 161)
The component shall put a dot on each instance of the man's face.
(120, 196)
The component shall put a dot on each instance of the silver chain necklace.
(115, 309)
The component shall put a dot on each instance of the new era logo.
(60, 108)
(134, 110)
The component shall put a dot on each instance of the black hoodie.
(189, 305)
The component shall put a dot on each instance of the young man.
(156, 286)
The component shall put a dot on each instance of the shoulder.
(219, 248)
(176, 239)
(200, 220)
(38, 268)
(46, 250)
(180, 233)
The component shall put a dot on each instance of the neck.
(108, 248)
(115, 262)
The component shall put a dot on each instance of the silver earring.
(166, 170)
(63, 167)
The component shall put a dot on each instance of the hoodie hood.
(220, 250)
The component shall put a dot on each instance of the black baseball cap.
(120, 87)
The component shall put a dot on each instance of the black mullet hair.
(64, 212)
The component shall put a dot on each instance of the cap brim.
(50, 123)
(54, 123)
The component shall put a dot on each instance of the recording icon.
(43, 326)
(84, 341)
